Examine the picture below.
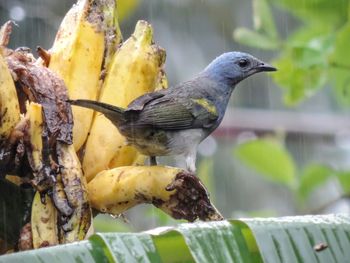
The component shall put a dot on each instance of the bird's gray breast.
(162, 143)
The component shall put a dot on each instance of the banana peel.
(134, 70)
(177, 192)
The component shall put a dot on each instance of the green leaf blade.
(269, 158)
(166, 240)
(344, 180)
(263, 19)
(127, 247)
(84, 251)
(300, 81)
(217, 242)
(313, 176)
(254, 39)
(340, 66)
(286, 239)
(293, 239)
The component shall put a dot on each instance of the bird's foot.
(153, 160)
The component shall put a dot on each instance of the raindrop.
(17, 13)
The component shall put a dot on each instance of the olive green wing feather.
(172, 114)
(139, 103)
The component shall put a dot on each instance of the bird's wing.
(174, 114)
(139, 103)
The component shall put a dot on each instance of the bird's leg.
(153, 160)
(191, 160)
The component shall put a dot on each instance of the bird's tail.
(113, 113)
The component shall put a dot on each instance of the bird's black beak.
(262, 66)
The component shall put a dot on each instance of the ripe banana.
(78, 53)
(75, 189)
(9, 106)
(133, 71)
(44, 215)
(44, 222)
(34, 114)
(173, 190)
(35, 147)
(69, 192)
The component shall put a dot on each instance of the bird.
(174, 121)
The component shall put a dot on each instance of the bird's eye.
(243, 63)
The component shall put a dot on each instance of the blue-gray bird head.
(232, 67)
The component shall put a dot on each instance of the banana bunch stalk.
(134, 70)
(175, 191)
(88, 31)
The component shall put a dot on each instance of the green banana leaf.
(287, 239)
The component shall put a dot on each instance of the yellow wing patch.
(210, 107)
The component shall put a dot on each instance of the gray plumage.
(175, 120)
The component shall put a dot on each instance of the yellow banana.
(75, 189)
(34, 114)
(9, 106)
(44, 215)
(44, 222)
(175, 191)
(133, 71)
(40, 166)
(69, 192)
(78, 52)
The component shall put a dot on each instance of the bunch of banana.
(134, 70)
(88, 32)
(50, 156)
(175, 191)
(87, 62)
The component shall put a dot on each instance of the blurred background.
(284, 145)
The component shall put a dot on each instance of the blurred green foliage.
(268, 157)
(272, 160)
(108, 223)
(314, 55)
